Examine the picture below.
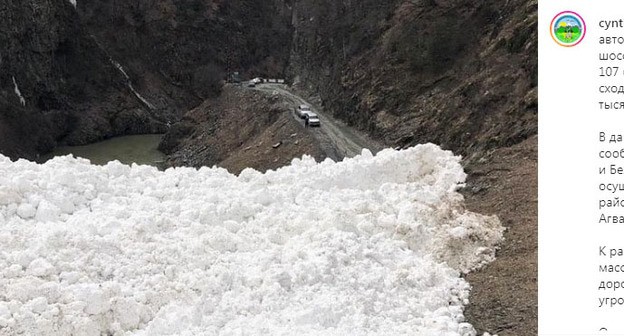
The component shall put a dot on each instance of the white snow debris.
(18, 93)
(73, 2)
(373, 245)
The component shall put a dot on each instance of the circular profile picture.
(567, 29)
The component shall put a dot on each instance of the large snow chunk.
(373, 245)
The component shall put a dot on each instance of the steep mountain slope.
(178, 51)
(459, 73)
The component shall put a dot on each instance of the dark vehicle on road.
(234, 78)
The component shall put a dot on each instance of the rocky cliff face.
(75, 75)
(178, 51)
(462, 74)
(56, 84)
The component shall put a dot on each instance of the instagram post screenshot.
(311, 167)
(580, 168)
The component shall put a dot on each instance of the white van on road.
(313, 119)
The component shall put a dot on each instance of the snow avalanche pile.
(368, 246)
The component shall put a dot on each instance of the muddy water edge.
(139, 149)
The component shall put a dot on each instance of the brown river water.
(139, 149)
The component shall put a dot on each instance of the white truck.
(313, 119)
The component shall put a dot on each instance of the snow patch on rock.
(18, 93)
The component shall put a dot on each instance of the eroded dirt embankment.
(504, 294)
(241, 128)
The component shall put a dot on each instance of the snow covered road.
(372, 245)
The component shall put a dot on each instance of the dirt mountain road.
(337, 139)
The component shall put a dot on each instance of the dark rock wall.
(71, 91)
(179, 50)
(175, 54)
(462, 74)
